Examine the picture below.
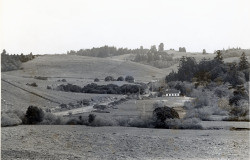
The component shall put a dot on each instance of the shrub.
(85, 102)
(91, 118)
(223, 103)
(160, 114)
(49, 87)
(32, 84)
(129, 79)
(188, 123)
(141, 123)
(100, 121)
(120, 79)
(64, 80)
(10, 118)
(109, 78)
(34, 115)
(41, 78)
(240, 110)
(100, 107)
(201, 113)
(51, 119)
(96, 80)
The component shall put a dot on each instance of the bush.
(120, 79)
(201, 113)
(109, 78)
(141, 123)
(84, 102)
(99, 121)
(100, 107)
(91, 118)
(96, 80)
(188, 123)
(10, 119)
(32, 84)
(34, 115)
(160, 114)
(49, 87)
(41, 78)
(129, 79)
(240, 110)
(51, 119)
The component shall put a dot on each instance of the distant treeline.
(105, 51)
(153, 56)
(13, 62)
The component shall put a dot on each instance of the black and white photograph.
(125, 79)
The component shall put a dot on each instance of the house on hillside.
(172, 93)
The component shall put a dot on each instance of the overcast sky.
(56, 26)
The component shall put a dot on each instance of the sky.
(57, 26)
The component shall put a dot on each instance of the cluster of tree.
(210, 74)
(233, 52)
(105, 89)
(129, 79)
(207, 71)
(106, 51)
(157, 58)
(13, 62)
(182, 49)
(153, 56)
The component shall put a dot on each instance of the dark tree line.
(105, 89)
(13, 62)
(211, 70)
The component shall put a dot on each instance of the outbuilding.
(172, 93)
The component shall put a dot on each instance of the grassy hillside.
(77, 70)
(86, 67)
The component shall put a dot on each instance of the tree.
(129, 79)
(243, 64)
(219, 57)
(182, 49)
(204, 51)
(34, 115)
(4, 52)
(109, 78)
(160, 115)
(96, 80)
(161, 47)
(153, 49)
(120, 78)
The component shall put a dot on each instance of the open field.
(81, 142)
(216, 141)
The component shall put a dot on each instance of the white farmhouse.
(172, 93)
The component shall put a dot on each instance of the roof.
(172, 91)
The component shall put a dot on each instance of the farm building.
(172, 93)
